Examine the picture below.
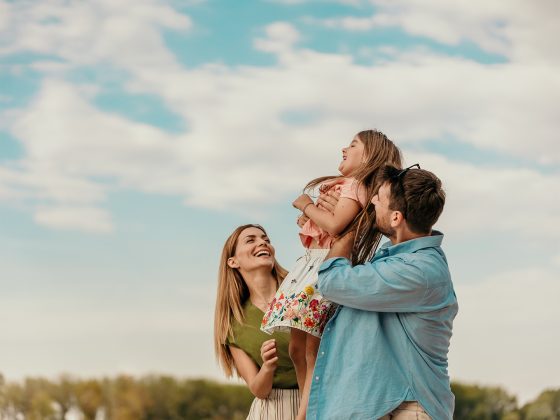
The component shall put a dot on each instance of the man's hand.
(342, 247)
(268, 354)
(328, 200)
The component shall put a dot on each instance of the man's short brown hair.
(417, 194)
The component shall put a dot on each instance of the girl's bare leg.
(297, 352)
(311, 348)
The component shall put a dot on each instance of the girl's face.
(352, 157)
(253, 251)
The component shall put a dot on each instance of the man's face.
(382, 212)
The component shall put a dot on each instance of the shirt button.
(322, 353)
(316, 378)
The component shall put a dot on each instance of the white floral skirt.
(297, 303)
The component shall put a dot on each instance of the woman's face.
(253, 251)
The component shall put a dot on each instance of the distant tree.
(545, 407)
(128, 399)
(236, 401)
(14, 403)
(38, 403)
(165, 398)
(88, 397)
(219, 401)
(41, 407)
(3, 400)
(63, 394)
(473, 402)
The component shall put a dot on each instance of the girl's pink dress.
(297, 303)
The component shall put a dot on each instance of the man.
(384, 352)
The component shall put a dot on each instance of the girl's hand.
(268, 354)
(302, 220)
(300, 202)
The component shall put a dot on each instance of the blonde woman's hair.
(232, 294)
(378, 152)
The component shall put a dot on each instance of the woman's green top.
(249, 338)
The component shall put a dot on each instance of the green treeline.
(168, 398)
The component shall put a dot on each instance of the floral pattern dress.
(297, 303)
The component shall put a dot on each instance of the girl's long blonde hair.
(232, 294)
(378, 152)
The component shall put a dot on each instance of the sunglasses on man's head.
(405, 170)
(398, 176)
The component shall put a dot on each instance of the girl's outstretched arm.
(327, 201)
(333, 223)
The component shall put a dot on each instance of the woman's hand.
(268, 354)
(302, 201)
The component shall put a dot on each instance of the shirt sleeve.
(350, 188)
(388, 285)
(230, 341)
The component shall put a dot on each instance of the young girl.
(297, 306)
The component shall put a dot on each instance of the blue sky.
(134, 136)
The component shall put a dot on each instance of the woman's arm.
(258, 380)
(333, 223)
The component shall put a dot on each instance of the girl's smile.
(352, 157)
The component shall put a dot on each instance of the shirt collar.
(413, 245)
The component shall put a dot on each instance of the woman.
(248, 279)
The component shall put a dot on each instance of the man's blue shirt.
(388, 341)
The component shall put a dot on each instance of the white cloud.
(44, 183)
(237, 160)
(504, 332)
(484, 105)
(522, 31)
(61, 128)
(86, 219)
(88, 33)
(352, 23)
(280, 38)
(5, 14)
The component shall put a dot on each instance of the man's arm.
(387, 285)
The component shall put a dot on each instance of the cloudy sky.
(135, 135)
